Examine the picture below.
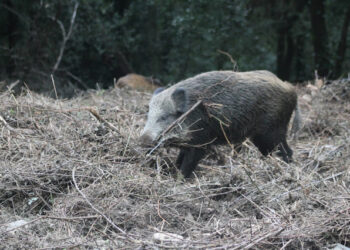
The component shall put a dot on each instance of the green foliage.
(169, 40)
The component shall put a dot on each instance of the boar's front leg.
(188, 159)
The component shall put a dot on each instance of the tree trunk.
(11, 39)
(320, 37)
(300, 73)
(285, 52)
(286, 17)
(121, 5)
(342, 45)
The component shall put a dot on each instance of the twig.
(9, 88)
(160, 216)
(95, 113)
(111, 126)
(277, 232)
(65, 35)
(25, 19)
(18, 131)
(224, 133)
(80, 81)
(234, 63)
(312, 183)
(172, 125)
(73, 218)
(178, 120)
(101, 119)
(93, 207)
(12, 85)
(6, 124)
(54, 87)
(251, 179)
(286, 244)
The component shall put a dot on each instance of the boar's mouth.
(174, 134)
(176, 137)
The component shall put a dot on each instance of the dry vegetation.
(67, 180)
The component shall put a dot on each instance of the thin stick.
(111, 126)
(251, 179)
(93, 207)
(65, 36)
(9, 88)
(54, 87)
(172, 125)
(227, 140)
(312, 183)
(160, 216)
(6, 124)
(234, 63)
(178, 120)
(265, 236)
(101, 119)
(72, 218)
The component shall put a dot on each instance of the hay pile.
(70, 180)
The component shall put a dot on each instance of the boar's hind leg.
(180, 158)
(284, 151)
(188, 159)
(267, 143)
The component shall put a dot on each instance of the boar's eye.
(168, 117)
(163, 118)
(178, 114)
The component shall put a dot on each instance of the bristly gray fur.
(235, 106)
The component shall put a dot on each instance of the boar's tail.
(296, 125)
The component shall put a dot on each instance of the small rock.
(167, 237)
(13, 225)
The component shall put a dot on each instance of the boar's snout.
(146, 140)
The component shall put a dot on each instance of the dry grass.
(69, 181)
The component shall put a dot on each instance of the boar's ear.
(158, 90)
(179, 97)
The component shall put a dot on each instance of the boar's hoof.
(146, 140)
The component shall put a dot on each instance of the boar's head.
(164, 108)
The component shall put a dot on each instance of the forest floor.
(71, 180)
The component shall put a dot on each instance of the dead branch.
(65, 36)
(92, 206)
(95, 113)
(9, 88)
(234, 63)
(80, 81)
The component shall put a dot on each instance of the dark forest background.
(86, 42)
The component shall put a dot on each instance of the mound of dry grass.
(71, 177)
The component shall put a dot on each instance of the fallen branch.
(93, 207)
(101, 119)
(109, 125)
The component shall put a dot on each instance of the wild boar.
(234, 106)
(138, 82)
